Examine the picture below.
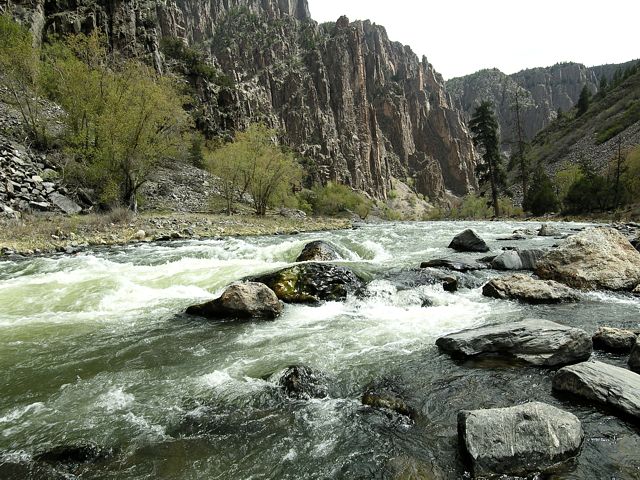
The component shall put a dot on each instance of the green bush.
(541, 197)
(336, 199)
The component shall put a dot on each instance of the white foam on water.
(18, 412)
(149, 431)
(116, 400)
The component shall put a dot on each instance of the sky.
(460, 37)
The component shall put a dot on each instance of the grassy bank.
(51, 233)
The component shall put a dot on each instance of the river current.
(95, 348)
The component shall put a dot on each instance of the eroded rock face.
(602, 384)
(520, 440)
(596, 258)
(537, 342)
(468, 241)
(311, 283)
(318, 251)
(614, 340)
(529, 290)
(361, 107)
(243, 300)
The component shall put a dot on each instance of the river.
(95, 348)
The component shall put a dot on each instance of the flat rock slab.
(603, 384)
(453, 265)
(520, 440)
(529, 290)
(468, 241)
(596, 258)
(536, 342)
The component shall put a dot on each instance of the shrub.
(335, 199)
(541, 197)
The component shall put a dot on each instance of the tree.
(604, 86)
(591, 192)
(584, 101)
(490, 172)
(253, 163)
(541, 197)
(519, 161)
(20, 75)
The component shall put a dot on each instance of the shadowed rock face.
(360, 107)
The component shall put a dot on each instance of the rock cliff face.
(360, 108)
(541, 91)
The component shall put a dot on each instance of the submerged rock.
(520, 440)
(529, 290)
(602, 384)
(69, 455)
(468, 241)
(242, 300)
(537, 342)
(453, 265)
(614, 340)
(312, 283)
(318, 251)
(517, 259)
(387, 395)
(303, 383)
(596, 258)
(634, 358)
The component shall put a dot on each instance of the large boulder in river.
(303, 383)
(528, 290)
(603, 384)
(318, 251)
(634, 358)
(536, 342)
(519, 441)
(614, 340)
(547, 230)
(596, 258)
(468, 241)
(311, 283)
(517, 259)
(242, 300)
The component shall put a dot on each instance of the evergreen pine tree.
(584, 101)
(541, 197)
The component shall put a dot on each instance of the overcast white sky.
(462, 36)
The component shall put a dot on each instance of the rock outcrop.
(603, 384)
(529, 290)
(537, 342)
(468, 241)
(614, 340)
(596, 258)
(242, 300)
(360, 107)
(519, 441)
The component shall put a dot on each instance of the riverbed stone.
(517, 259)
(547, 230)
(318, 251)
(528, 290)
(596, 258)
(73, 454)
(312, 283)
(536, 342)
(455, 265)
(614, 340)
(386, 395)
(468, 241)
(242, 300)
(303, 383)
(520, 440)
(634, 358)
(602, 384)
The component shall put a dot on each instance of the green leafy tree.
(590, 193)
(631, 176)
(584, 101)
(21, 77)
(541, 197)
(253, 163)
(490, 171)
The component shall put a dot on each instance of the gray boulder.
(603, 384)
(303, 383)
(65, 204)
(242, 300)
(519, 441)
(596, 258)
(468, 241)
(614, 340)
(536, 342)
(453, 265)
(318, 251)
(547, 230)
(517, 259)
(634, 358)
(528, 290)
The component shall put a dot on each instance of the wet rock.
(517, 259)
(603, 384)
(450, 285)
(69, 455)
(303, 383)
(528, 290)
(312, 283)
(547, 230)
(614, 340)
(468, 241)
(387, 395)
(318, 251)
(453, 265)
(537, 342)
(519, 441)
(242, 300)
(634, 358)
(596, 258)
(25, 470)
